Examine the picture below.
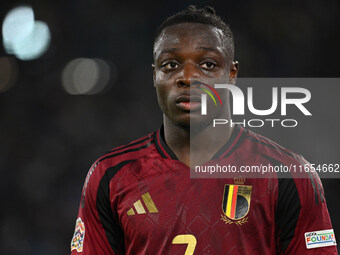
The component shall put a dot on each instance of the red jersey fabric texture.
(139, 199)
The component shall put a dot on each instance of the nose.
(187, 75)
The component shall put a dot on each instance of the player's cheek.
(162, 95)
(160, 76)
(164, 83)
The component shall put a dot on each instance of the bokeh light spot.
(86, 76)
(8, 73)
(17, 24)
(35, 44)
(24, 37)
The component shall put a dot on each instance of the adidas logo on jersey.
(140, 209)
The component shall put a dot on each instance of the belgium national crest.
(236, 203)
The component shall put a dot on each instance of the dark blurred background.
(51, 130)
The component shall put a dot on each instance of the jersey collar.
(229, 147)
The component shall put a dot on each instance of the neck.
(195, 148)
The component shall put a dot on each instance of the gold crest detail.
(228, 221)
(239, 180)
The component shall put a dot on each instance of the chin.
(182, 121)
(200, 123)
(193, 122)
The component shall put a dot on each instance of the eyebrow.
(209, 49)
(169, 50)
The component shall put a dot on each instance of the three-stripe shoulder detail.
(123, 152)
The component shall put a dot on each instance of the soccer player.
(140, 199)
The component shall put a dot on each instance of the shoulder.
(295, 178)
(272, 151)
(123, 154)
(108, 165)
(293, 170)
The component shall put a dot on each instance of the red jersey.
(139, 199)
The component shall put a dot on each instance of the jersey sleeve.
(303, 222)
(97, 229)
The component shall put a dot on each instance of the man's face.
(185, 53)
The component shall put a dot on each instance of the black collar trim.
(161, 145)
(233, 142)
(230, 146)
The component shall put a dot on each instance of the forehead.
(187, 35)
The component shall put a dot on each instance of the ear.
(234, 67)
(153, 73)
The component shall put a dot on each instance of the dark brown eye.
(208, 65)
(170, 66)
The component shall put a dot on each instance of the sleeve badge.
(322, 238)
(78, 236)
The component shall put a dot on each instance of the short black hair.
(206, 16)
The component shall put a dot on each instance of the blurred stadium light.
(24, 37)
(8, 73)
(86, 76)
